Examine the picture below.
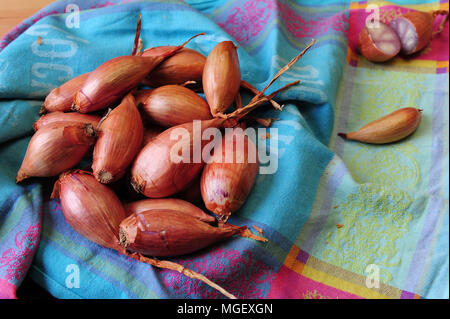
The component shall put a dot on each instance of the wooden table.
(12, 12)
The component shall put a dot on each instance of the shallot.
(221, 77)
(228, 177)
(389, 128)
(165, 177)
(120, 138)
(115, 78)
(378, 42)
(171, 105)
(55, 148)
(92, 209)
(164, 232)
(185, 65)
(415, 29)
(61, 98)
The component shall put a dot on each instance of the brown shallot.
(389, 128)
(92, 209)
(185, 65)
(415, 29)
(115, 78)
(228, 177)
(166, 176)
(171, 105)
(61, 98)
(120, 138)
(221, 77)
(55, 148)
(378, 42)
(164, 233)
(73, 117)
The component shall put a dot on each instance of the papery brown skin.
(165, 177)
(230, 174)
(61, 98)
(70, 117)
(389, 128)
(172, 204)
(171, 105)
(221, 77)
(91, 208)
(379, 44)
(165, 233)
(120, 139)
(113, 79)
(185, 65)
(55, 148)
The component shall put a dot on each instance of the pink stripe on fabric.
(7, 290)
(290, 285)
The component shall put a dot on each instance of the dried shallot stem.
(284, 69)
(255, 91)
(442, 24)
(260, 97)
(238, 114)
(140, 46)
(178, 48)
(137, 37)
(259, 230)
(247, 233)
(179, 268)
(202, 33)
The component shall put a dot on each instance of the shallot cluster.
(121, 116)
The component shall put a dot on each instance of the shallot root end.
(136, 186)
(104, 177)
(21, 176)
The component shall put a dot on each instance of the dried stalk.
(181, 269)
(137, 37)
(255, 91)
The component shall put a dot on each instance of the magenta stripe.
(7, 290)
(407, 295)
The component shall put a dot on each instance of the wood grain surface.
(12, 12)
